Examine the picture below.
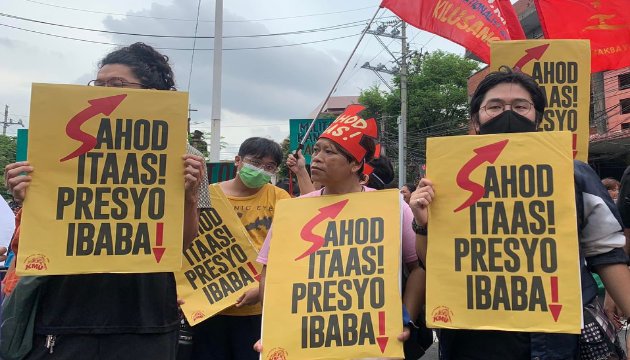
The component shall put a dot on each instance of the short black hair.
(260, 147)
(146, 63)
(507, 75)
(411, 187)
(383, 173)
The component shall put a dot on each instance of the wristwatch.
(420, 230)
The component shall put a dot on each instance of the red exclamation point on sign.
(382, 339)
(554, 308)
(253, 269)
(158, 250)
(574, 145)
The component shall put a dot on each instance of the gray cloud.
(270, 84)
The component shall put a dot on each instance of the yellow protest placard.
(107, 191)
(562, 68)
(503, 246)
(332, 283)
(219, 265)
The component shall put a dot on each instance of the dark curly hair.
(146, 63)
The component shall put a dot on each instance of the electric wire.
(192, 55)
(306, 31)
(180, 49)
(210, 21)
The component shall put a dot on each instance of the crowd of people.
(135, 316)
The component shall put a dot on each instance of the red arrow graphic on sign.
(534, 53)
(488, 153)
(253, 269)
(327, 212)
(382, 339)
(158, 251)
(554, 308)
(574, 145)
(103, 106)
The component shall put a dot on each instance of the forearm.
(191, 224)
(421, 248)
(413, 297)
(616, 279)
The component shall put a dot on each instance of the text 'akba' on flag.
(605, 23)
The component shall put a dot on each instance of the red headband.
(348, 131)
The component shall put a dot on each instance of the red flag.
(605, 22)
(470, 23)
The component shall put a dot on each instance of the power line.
(209, 21)
(181, 49)
(192, 55)
(307, 31)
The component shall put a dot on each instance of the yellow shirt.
(256, 213)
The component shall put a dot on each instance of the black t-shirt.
(108, 304)
(486, 344)
(623, 201)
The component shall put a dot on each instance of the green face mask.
(253, 177)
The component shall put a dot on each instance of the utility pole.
(190, 109)
(400, 70)
(215, 127)
(383, 134)
(7, 121)
(402, 130)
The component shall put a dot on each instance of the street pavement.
(432, 353)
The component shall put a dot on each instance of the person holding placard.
(339, 162)
(116, 316)
(229, 334)
(406, 191)
(507, 101)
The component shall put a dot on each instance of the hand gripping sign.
(106, 195)
(220, 265)
(562, 68)
(503, 246)
(332, 282)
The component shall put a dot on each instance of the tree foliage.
(200, 141)
(437, 104)
(8, 148)
(283, 170)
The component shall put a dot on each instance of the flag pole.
(301, 145)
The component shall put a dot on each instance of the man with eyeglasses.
(509, 101)
(230, 334)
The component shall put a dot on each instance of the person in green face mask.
(230, 334)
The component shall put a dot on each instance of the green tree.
(437, 103)
(8, 146)
(197, 139)
(283, 170)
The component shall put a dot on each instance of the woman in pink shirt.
(338, 162)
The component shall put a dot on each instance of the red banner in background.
(605, 23)
(472, 24)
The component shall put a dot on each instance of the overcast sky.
(262, 88)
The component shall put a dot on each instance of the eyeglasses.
(259, 164)
(115, 82)
(496, 107)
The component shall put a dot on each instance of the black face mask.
(507, 122)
